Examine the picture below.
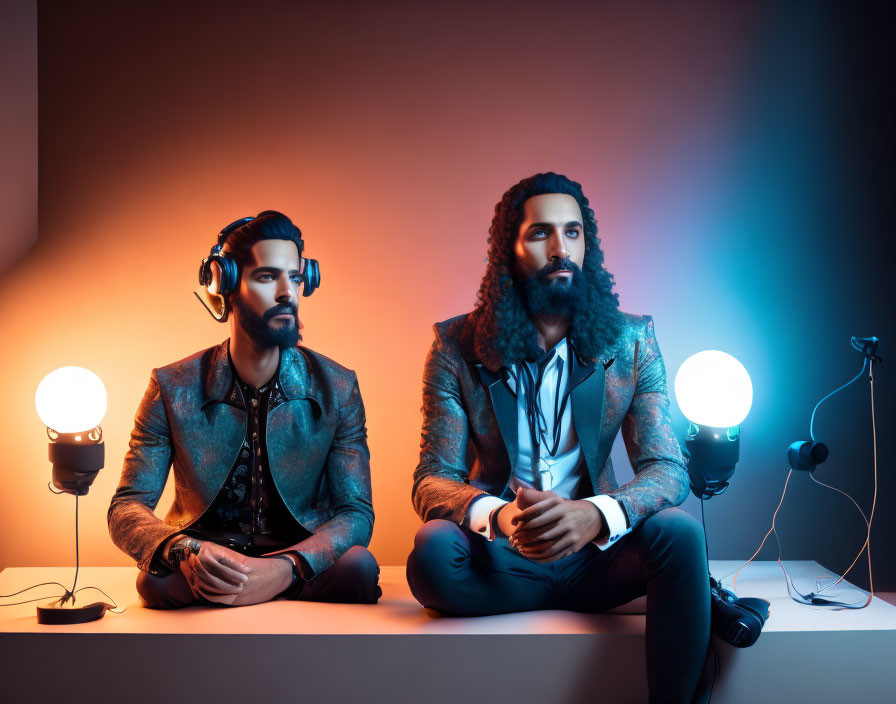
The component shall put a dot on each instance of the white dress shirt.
(560, 472)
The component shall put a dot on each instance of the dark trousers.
(456, 572)
(353, 578)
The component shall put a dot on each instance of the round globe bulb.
(71, 400)
(712, 388)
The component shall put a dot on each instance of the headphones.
(216, 296)
(736, 621)
(807, 454)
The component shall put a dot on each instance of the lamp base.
(64, 615)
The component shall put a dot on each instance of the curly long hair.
(501, 326)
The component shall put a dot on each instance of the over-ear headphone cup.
(205, 275)
(311, 276)
(757, 606)
(743, 631)
(806, 454)
(229, 272)
(738, 622)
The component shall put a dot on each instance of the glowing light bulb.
(712, 388)
(71, 400)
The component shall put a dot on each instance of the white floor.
(396, 652)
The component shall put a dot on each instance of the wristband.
(295, 572)
(494, 528)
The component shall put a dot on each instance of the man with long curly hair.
(522, 399)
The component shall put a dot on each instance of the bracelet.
(494, 528)
(181, 550)
(295, 572)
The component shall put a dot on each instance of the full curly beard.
(558, 296)
(259, 330)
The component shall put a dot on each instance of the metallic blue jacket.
(470, 423)
(317, 452)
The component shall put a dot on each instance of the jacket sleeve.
(347, 472)
(440, 480)
(134, 528)
(661, 477)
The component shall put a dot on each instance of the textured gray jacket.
(317, 451)
(470, 424)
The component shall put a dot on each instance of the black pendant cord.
(524, 386)
(535, 413)
(534, 416)
(559, 410)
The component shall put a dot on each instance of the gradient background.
(733, 154)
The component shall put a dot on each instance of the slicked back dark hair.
(501, 321)
(267, 225)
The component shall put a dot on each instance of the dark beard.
(557, 296)
(258, 329)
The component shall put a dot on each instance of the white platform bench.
(397, 652)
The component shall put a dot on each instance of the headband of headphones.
(216, 301)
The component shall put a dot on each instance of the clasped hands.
(227, 577)
(544, 527)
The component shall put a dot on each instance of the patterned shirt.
(248, 513)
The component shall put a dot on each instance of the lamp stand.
(58, 612)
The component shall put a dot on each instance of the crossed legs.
(455, 572)
(353, 578)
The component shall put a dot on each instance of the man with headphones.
(268, 444)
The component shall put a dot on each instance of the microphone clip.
(868, 347)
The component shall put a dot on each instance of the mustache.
(558, 265)
(282, 309)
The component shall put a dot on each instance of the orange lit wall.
(387, 131)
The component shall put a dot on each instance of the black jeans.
(353, 578)
(453, 571)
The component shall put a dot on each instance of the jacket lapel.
(504, 406)
(216, 446)
(217, 380)
(297, 440)
(588, 381)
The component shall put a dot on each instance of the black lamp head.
(76, 459)
(712, 456)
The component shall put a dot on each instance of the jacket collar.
(296, 379)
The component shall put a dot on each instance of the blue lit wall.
(771, 226)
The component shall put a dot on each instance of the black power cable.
(68, 594)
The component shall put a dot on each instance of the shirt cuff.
(478, 513)
(614, 518)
